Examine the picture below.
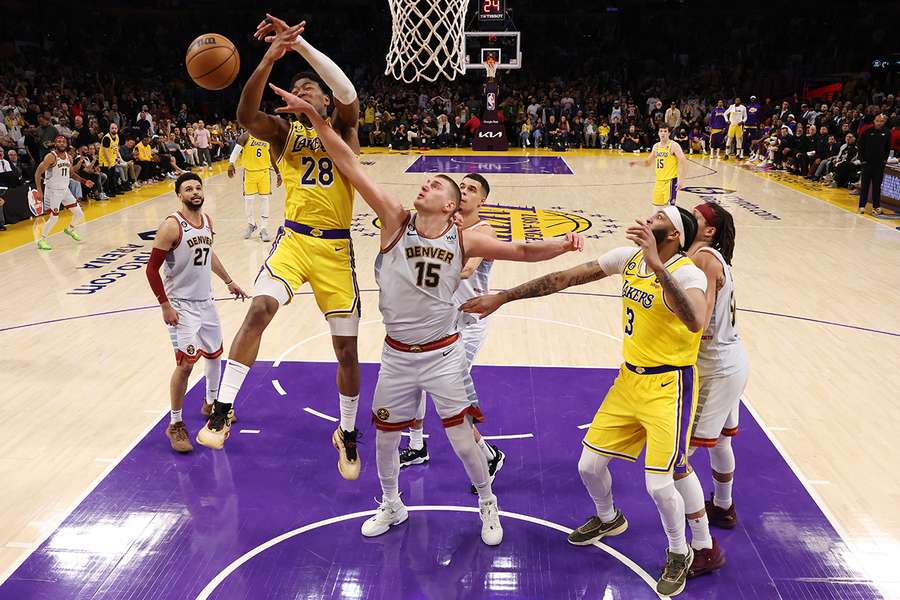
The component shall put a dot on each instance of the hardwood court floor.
(87, 357)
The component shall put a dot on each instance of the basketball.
(212, 61)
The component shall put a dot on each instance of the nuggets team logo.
(524, 223)
(190, 349)
(383, 414)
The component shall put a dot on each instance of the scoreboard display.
(491, 11)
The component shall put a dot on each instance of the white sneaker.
(388, 515)
(264, 235)
(491, 530)
(249, 231)
(102, 196)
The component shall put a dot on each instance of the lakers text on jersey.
(256, 160)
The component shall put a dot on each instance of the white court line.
(19, 545)
(563, 158)
(249, 431)
(101, 459)
(514, 436)
(311, 338)
(320, 415)
(277, 385)
(55, 523)
(207, 591)
(818, 482)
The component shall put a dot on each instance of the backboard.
(506, 46)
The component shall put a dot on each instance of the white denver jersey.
(57, 176)
(189, 264)
(417, 277)
(477, 284)
(720, 347)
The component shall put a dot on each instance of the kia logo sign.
(490, 134)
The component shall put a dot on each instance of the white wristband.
(341, 87)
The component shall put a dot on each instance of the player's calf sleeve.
(248, 209)
(264, 211)
(473, 460)
(692, 494)
(594, 471)
(77, 216)
(387, 459)
(49, 224)
(213, 371)
(661, 488)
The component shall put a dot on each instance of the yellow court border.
(24, 232)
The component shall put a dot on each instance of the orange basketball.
(212, 61)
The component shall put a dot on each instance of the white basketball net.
(426, 39)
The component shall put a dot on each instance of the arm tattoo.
(676, 297)
(555, 282)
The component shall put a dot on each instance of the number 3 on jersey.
(629, 321)
(319, 172)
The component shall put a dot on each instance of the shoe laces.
(217, 421)
(675, 565)
(179, 431)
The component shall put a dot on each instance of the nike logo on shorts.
(446, 352)
(664, 384)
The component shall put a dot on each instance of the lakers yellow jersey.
(666, 162)
(109, 151)
(317, 194)
(654, 335)
(255, 156)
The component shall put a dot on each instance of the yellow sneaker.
(215, 432)
(349, 463)
(178, 437)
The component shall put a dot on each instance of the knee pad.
(592, 463)
(660, 486)
(721, 457)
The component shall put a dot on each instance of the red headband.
(708, 213)
(60, 137)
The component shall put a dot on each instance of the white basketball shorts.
(198, 332)
(718, 405)
(443, 373)
(53, 199)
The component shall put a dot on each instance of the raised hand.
(271, 26)
(643, 238)
(573, 242)
(292, 104)
(280, 37)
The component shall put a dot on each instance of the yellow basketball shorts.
(735, 131)
(664, 192)
(655, 410)
(328, 265)
(257, 182)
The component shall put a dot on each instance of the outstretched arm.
(266, 127)
(485, 246)
(236, 152)
(388, 208)
(345, 118)
(542, 286)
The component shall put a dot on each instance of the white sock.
(692, 494)
(349, 405)
(175, 416)
(48, 225)
(387, 459)
(485, 449)
(416, 438)
(595, 475)
(661, 488)
(473, 460)
(264, 212)
(213, 372)
(77, 216)
(232, 380)
(248, 210)
(722, 495)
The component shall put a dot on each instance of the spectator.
(824, 166)
(144, 159)
(376, 134)
(87, 168)
(631, 141)
(590, 133)
(46, 133)
(201, 141)
(443, 130)
(127, 160)
(144, 121)
(673, 117)
(109, 158)
(846, 164)
(874, 149)
(10, 171)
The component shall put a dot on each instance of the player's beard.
(660, 236)
(191, 205)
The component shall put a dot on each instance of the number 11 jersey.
(418, 277)
(188, 267)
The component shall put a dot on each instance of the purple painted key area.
(535, 165)
(164, 526)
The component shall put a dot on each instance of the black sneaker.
(411, 456)
(595, 529)
(674, 575)
(344, 442)
(494, 465)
